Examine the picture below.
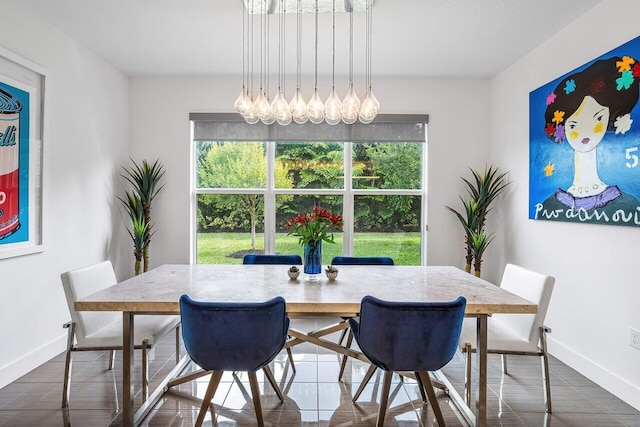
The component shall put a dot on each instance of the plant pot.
(331, 275)
(313, 260)
(293, 275)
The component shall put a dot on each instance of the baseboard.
(621, 388)
(12, 371)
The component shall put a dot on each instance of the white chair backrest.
(532, 286)
(83, 282)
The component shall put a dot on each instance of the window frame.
(348, 193)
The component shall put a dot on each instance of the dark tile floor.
(313, 396)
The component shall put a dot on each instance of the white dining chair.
(515, 334)
(102, 330)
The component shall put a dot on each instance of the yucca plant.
(469, 225)
(140, 230)
(479, 241)
(145, 181)
(482, 192)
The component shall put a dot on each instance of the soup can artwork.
(10, 108)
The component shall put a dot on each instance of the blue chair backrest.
(361, 260)
(410, 336)
(272, 259)
(225, 336)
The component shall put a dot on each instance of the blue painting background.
(22, 235)
(611, 151)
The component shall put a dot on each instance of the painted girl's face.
(587, 125)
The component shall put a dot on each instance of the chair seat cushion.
(499, 336)
(151, 327)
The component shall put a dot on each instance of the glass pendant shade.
(251, 117)
(369, 109)
(281, 109)
(333, 109)
(243, 104)
(298, 108)
(315, 108)
(262, 108)
(350, 107)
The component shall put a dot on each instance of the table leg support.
(481, 363)
(127, 369)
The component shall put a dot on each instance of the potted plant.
(311, 230)
(482, 192)
(331, 272)
(145, 186)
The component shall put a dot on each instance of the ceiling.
(426, 38)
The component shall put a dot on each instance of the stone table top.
(159, 290)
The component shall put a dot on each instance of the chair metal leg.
(384, 398)
(467, 374)
(545, 367)
(365, 381)
(290, 355)
(66, 386)
(145, 371)
(178, 343)
(255, 393)
(343, 362)
(272, 381)
(208, 395)
(421, 387)
(112, 359)
(342, 335)
(503, 357)
(428, 387)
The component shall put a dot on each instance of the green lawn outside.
(403, 247)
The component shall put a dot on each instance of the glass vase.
(313, 260)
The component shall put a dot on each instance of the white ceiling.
(432, 38)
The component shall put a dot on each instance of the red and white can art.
(10, 108)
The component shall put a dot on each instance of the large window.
(247, 185)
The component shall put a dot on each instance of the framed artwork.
(584, 142)
(22, 87)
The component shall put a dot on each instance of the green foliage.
(307, 166)
(482, 192)
(145, 186)
(234, 165)
(404, 248)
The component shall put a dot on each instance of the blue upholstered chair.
(356, 260)
(224, 336)
(408, 336)
(275, 259)
(361, 260)
(272, 259)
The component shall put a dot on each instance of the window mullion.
(270, 201)
(347, 201)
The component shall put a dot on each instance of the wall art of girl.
(585, 109)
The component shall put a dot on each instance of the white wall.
(88, 138)
(458, 136)
(596, 297)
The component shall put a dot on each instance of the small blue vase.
(313, 259)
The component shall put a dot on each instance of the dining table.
(158, 291)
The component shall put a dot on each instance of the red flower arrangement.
(315, 226)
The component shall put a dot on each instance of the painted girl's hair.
(612, 82)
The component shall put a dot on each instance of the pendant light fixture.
(298, 105)
(315, 107)
(333, 106)
(333, 111)
(243, 102)
(250, 115)
(351, 103)
(280, 106)
(370, 105)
